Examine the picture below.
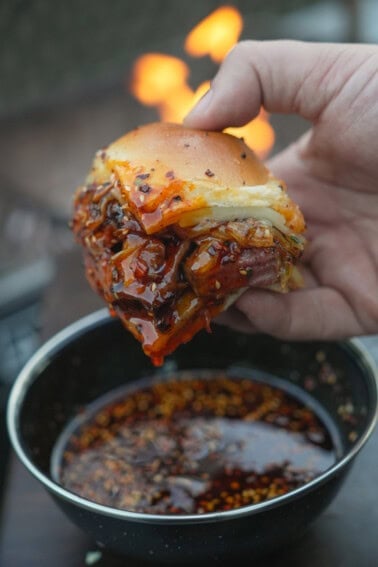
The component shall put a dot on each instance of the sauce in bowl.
(193, 443)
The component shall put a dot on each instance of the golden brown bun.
(190, 153)
(191, 175)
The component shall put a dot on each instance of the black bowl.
(95, 355)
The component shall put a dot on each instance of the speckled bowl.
(96, 355)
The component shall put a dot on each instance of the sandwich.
(176, 223)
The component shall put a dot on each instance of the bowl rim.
(47, 351)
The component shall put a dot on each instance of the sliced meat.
(215, 269)
(167, 286)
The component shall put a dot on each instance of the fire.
(161, 80)
(156, 77)
(216, 34)
(258, 134)
(177, 105)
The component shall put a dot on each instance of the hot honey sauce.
(193, 445)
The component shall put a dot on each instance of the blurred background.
(75, 75)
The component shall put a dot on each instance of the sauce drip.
(167, 286)
(193, 445)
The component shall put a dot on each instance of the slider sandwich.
(176, 223)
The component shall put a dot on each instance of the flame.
(216, 34)
(161, 80)
(177, 104)
(258, 134)
(156, 76)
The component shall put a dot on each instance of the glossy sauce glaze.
(168, 285)
(192, 446)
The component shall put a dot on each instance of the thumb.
(282, 76)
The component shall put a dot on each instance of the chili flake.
(193, 444)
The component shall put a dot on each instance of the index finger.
(282, 76)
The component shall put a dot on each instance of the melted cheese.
(158, 202)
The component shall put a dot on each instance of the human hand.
(331, 172)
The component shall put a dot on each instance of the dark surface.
(35, 532)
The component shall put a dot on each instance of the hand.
(331, 172)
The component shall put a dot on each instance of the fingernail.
(200, 108)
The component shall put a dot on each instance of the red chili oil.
(193, 445)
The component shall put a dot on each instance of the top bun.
(171, 174)
(194, 155)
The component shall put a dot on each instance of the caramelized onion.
(167, 286)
